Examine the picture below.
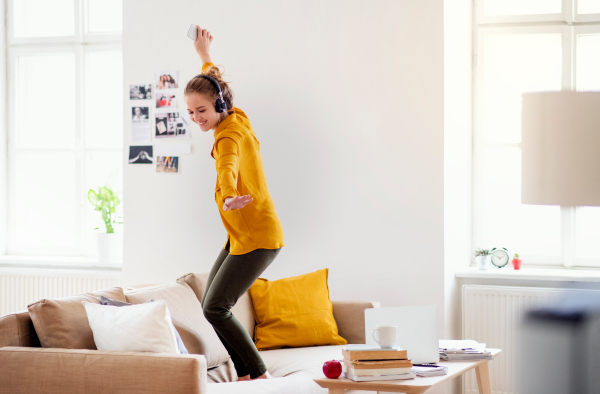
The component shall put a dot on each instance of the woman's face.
(202, 111)
(138, 111)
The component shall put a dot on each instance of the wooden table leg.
(336, 391)
(483, 378)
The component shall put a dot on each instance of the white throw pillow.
(138, 328)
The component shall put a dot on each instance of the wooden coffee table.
(416, 385)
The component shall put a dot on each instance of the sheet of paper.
(172, 149)
(460, 344)
(141, 131)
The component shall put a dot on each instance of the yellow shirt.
(240, 171)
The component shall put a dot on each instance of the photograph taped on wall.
(166, 98)
(141, 131)
(167, 80)
(140, 154)
(139, 113)
(140, 92)
(167, 164)
(174, 124)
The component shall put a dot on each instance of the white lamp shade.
(561, 148)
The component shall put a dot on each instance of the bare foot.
(265, 375)
(242, 378)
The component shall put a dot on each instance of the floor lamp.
(560, 343)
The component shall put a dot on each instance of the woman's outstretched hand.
(202, 44)
(236, 202)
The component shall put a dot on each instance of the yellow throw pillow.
(294, 312)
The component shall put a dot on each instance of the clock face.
(500, 258)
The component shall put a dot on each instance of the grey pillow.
(108, 301)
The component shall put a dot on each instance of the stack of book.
(463, 350)
(366, 362)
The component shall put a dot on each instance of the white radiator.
(492, 314)
(20, 287)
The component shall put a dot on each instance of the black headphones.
(220, 104)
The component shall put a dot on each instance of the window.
(65, 121)
(520, 46)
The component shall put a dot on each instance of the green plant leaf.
(105, 201)
(93, 197)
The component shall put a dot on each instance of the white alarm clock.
(500, 257)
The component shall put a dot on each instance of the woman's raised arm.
(202, 44)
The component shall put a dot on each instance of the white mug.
(387, 336)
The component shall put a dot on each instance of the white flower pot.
(110, 246)
(483, 262)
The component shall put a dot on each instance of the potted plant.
(516, 262)
(110, 244)
(483, 258)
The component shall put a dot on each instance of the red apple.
(332, 369)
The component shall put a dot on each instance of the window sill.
(533, 273)
(59, 262)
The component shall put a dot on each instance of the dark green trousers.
(229, 278)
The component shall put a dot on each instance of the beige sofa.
(42, 354)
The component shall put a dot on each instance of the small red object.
(332, 369)
(517, 263)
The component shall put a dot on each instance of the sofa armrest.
(350, 319)
(63, 371)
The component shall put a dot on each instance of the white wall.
(457, 153)
(3, 135)
(346, 97)
(457, 159)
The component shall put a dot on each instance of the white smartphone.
(192, 32)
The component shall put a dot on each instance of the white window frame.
(567, 24)
(79, 44)
(582, 18)
(480, 19)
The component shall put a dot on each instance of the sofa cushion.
(242, 310)
(140, 328)
(63, 323)
(180, 345)
(222, 374)
(16, 329)
(294, 312)
(310, 359)
(197, 333)
(299, 383)
(293, 370)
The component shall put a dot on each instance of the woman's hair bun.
(213, 71)
(203, 86)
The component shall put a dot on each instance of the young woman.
(254, 232)
(172, 83)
